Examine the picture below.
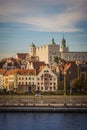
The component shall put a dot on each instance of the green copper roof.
(53, 42)
(32, 45)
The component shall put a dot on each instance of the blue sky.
(25, 21)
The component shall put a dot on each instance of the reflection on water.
(43, 121)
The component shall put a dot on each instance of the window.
(41, 88)
(29, 78)
(19, 78)
(46, 88)
(54, 83)
(50, 88)
(32, 78)
(26, 78)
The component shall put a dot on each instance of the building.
(26, 80)
(47, 53)
(10, 63)
(21, 80)
(46, 80)
(2, 72)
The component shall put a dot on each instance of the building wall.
(1, 80)
(46, 81)
(26, 82)
(47, 53)
(42, 53)
(53, 51)
(73, 56)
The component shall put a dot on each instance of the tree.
(56, 59)
(60, 85)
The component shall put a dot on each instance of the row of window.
(47, 83)
(46, 79)
(47, 88)
(26, 83)
(26, 78)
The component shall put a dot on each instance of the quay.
(44, 108)
(25, 103)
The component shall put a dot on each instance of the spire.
(63, 41)
(53, 42)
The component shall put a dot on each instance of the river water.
(43, 121)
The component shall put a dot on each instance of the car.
(38, 95)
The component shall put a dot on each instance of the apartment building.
(46, 80)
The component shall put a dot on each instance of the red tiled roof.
(2, 71)
(37, 64)
(21, 72)
(22, 56)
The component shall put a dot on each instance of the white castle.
(48, 52)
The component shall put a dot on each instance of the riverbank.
(41, 108)
(15, 103)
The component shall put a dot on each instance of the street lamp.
(65, 82)
(70, 85)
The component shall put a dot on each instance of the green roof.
(32, 45)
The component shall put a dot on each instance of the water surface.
(43, 121)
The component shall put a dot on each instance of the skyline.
(24, 22)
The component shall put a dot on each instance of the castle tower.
(63, 47)
(32, 50)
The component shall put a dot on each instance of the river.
(43, 121)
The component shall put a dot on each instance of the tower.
(32, 50)
(63, 47)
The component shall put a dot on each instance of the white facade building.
(46, 81)
(47, 53)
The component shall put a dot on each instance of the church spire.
(63, 42)
(53, 42)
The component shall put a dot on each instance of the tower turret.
(32, 50)
(63, 47)
(53, 42)
(63, 42)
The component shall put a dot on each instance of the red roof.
(22, 56)
(21, 72)
(2, 71)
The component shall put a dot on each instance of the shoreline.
(44, 109)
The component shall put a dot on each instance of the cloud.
(45, 15)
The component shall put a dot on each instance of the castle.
(47, 53)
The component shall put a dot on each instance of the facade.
(2, 72)
(46, 81)
(26, 80)
(74, 56)
(47, 53)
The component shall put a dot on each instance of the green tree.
(56, 59)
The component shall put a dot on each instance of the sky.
(25, 21)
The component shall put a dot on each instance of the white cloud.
(33, 13)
